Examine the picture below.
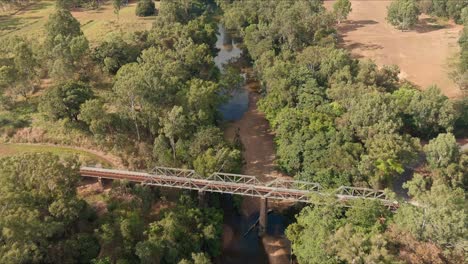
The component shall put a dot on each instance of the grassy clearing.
(30, 21)
(85, 157)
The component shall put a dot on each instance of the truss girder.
(278, 189)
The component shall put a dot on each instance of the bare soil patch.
(423, 54)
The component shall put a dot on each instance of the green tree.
(323, 234)
(123, 225)
(20, 71)
(386, 157)
(41, 210)
(114, 53)
(430, 112)
(145, 8)
(342, 8)
(117, 4)
(65, 100)
(351, 245)
(219, 160)
(64, 4)
(174, 125)
(94, 114)
(62, 22)
(442, 151)
(182, 231)
(403, 14)
(66, 47)
(197, 258)
(372, 114)
(439, 216)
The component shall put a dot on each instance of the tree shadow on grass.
(352, 25)
(9, 23)
(429, 24)
(357, 45)
(38, 6)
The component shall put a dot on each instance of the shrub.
(145, 8)
(403, 14)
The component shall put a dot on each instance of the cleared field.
(84, 156)
(95, 24)
(424, 54)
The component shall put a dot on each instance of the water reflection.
(229, 51)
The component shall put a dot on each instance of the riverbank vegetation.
(152, 97)
(45, 221)
(342, 121)
(145, 95)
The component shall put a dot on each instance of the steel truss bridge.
(278, 189)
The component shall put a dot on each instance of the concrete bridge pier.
(202, 202)
(263, 219)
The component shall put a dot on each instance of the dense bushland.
(342, 121)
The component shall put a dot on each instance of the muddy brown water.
(238, 245)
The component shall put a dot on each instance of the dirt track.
(423, 54)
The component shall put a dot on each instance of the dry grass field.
(84, 156)
(95, 24)
(423, 54)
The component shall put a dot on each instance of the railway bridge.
(279, 189)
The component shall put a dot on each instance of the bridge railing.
(176, 172)
(282, 183)
(234, 178)
(280, 188)
(361, 192)
(217, 176)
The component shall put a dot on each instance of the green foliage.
(336, 119)
(122, 227)
(182, 11)
(181, 232)
(65, 100)
(430, 112)
(224, 159)
(62, 23)
(442, 151)
(403, 14)
(324, 235)
(448, 163)
(145, 8)
(114, 53)
(386, 157)
(460, 75)
(342, 8)
(444, 8)
(439, 216)
(41, 211)
(100, 123)
(197, 258)
(63, 4)
(277, 30)
(117, 4)
(65, 46)
(340, 121)
(19, 67)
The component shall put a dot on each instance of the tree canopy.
(41, 211)
(403, 14)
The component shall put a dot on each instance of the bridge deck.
(279, 189)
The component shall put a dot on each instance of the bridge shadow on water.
(237, 245)
(241, 243)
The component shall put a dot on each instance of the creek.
(238, 245)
